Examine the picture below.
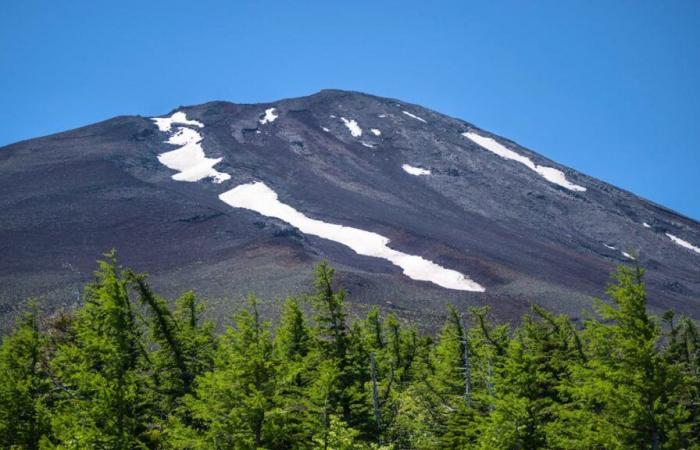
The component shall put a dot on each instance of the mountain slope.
(416, 209)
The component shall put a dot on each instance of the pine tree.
(24, 384)
(396, 371)
(231, 403)
(102, 371)
(625, 395)
(527, 393)
(450, 384)
(292, 418)
(331, 330)
(344, 347)
(181, 347)
(683, 349)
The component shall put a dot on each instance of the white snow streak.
(354, 128)
(375, 132)
(414, 116)
(683, 243)
(263, 200)
(627, 255)
(367, 144)
(269, 117)
(326, 129)
(179, 117)
(610, 247)
(646, 225)
(415, 170)
(550, 174)
(189, 159)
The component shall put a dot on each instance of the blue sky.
(610, 88)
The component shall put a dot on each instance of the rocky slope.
(415, 209)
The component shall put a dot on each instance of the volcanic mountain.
(415, 210)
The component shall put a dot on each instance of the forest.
(129, 369)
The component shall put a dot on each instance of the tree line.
(127, 371)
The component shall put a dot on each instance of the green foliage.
(129, 371)
(626, 393)
(24, 384)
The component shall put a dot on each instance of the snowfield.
(415, 170)
(550, 174)
(352, 125)
(414, 116)
(269, 116)
(165, 123)
(683, 243)
(375, 132)
(260, 198)
(189, 159)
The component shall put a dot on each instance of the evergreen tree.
(335, 342)
(625, 395)
(293, 417)
(231, 403)
(181, 347)
(450, 383)
(24, 384)
(123, 375)
(102, 372)
(527, 393)
(683, 348)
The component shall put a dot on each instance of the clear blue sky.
(611, 88)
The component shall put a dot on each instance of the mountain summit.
(415, 209)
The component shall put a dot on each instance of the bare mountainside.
(414, 208)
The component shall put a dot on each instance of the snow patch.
(179, 117)
(381, 116)
(550, 174)
(683, 243)
(269, 117)
(189, 160)
(352, 125)
(415, 170)
(414, 116)
(260, 198)
(326, 129)
(627, 255)
(367, 144)
(610, 247)
(646, 225)
(375, 132)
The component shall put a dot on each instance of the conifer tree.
(24, 384)
(101, 372)
(683, 348)
(625, 395)
(181, 346)
(537, 360)
(450, 384)
(344, 347)
(231, 404)
(293, 416)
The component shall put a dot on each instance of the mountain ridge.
(471, 196)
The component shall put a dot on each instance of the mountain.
(415, 209)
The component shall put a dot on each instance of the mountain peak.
(412, 206)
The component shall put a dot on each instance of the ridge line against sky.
(606, 88)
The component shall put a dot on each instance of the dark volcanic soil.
(68, 198)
